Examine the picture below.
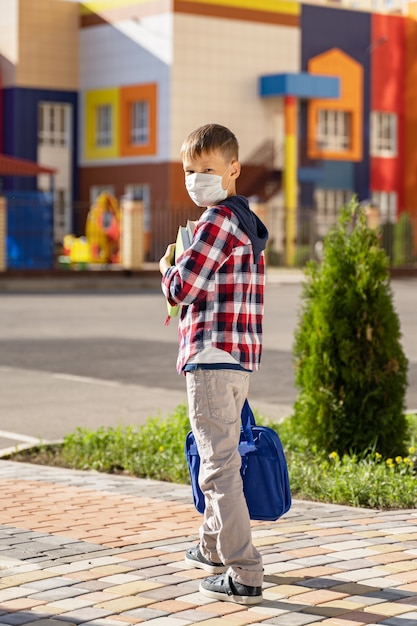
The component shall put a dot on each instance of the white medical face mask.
(205, 189)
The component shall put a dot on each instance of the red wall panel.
(1, 116)
(384, 174)
(387, 55)
(410, 161)
(387, 52)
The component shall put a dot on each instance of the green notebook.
(183, 241)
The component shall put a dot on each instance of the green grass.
(156, 450)
(367, 481)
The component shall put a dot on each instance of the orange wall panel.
(334, 62)
(128, 95)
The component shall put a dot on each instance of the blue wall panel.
(20, 129)
(337, 175)
(301, 85)
(324, 28)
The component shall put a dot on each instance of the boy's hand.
(168, 259)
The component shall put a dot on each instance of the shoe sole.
(218, 595)
(210, 569)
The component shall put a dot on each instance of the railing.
(28, 230)
(399, 240)
(160, 228)
(262, 171)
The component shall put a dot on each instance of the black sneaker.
(224, 588)
(194, 558)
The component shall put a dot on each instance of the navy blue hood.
(249, 223)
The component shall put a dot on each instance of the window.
(333, 130)
(54, 124)
(62, 214)
(137, 192)
(143, 194)
(383, 134)
(96, 190)
(139, 129)
(104, 125)
(328, 205)
(386, 203)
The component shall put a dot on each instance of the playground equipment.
(101, 243)
(103, 230)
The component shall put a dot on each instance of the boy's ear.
(235, 168)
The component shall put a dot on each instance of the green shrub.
(387, 240)
(273, 257)
(351, 370)
(302, 255)
(403, 249)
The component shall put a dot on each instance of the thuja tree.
(351, 370)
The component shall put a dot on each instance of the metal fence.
(30, 239)
(29, 230)
(399, 240)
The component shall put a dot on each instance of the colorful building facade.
(323, 100)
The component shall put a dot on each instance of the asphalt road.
(78, 359)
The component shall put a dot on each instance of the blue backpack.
(264, 470)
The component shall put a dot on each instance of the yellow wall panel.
(274, 6)
(94, 99)
(97, 6)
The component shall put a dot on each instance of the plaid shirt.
(221, 290)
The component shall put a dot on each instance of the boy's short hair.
(208, 138)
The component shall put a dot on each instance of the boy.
(219, 281)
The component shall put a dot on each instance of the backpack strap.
(248, 420)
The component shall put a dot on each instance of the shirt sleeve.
(215, 237)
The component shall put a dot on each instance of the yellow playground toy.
(101, 243)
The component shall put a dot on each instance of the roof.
(12, 166)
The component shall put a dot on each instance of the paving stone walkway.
(88, 548)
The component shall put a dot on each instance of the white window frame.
(333, 130)
(54, 124)
(141, 192)
(104, 131)
(386, 202)
(62, 213)
(96, 190)
(328, 205)
(139, 123)
(138, 191)
(383, 134)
